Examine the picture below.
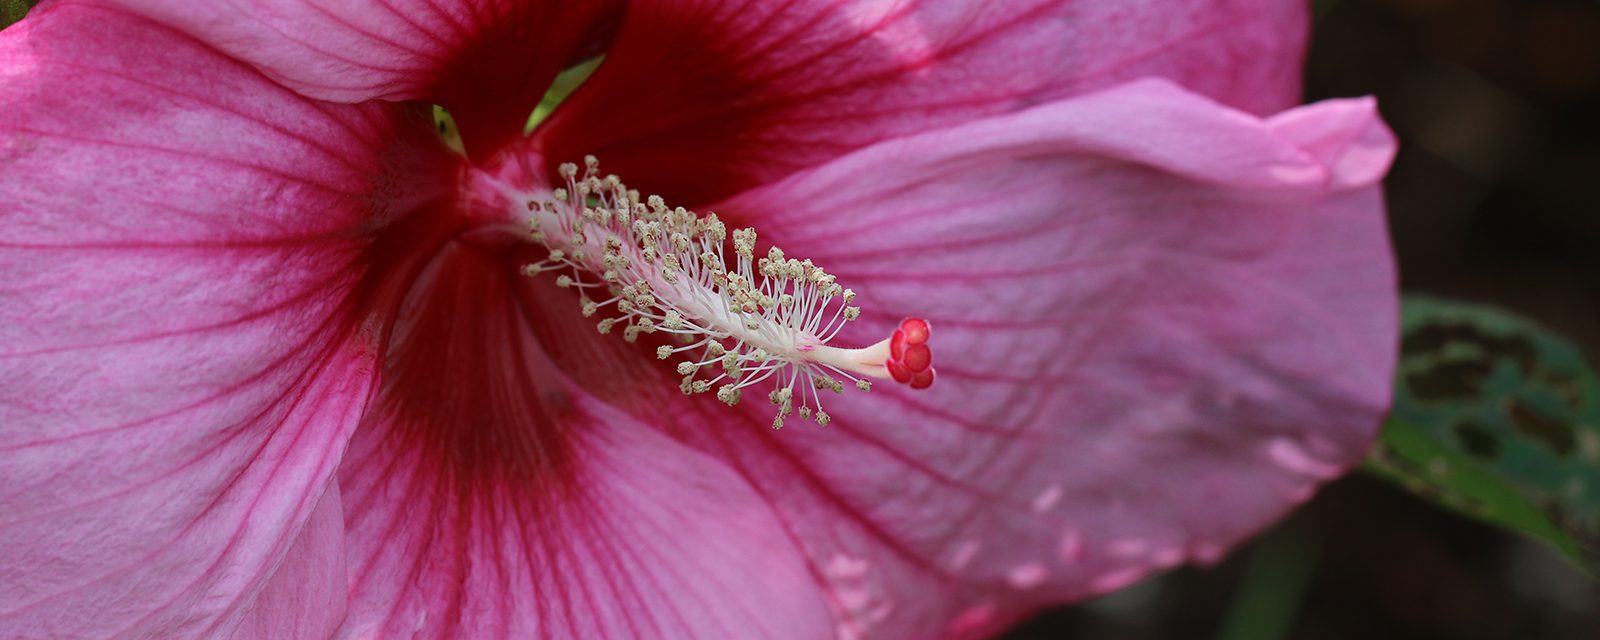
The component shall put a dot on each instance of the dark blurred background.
(1495, 197)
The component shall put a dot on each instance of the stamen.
(750, 319)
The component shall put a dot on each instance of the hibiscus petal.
(1160, 324)
(306, 596)
(178, 370)
(639, 538)
(700, 100)
(488, 61)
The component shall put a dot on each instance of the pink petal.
(305, 598)
(699, 100)
(1161, 323)
(638, 537)
(180, 365)
(488, 61)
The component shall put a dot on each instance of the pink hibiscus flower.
(269, 366)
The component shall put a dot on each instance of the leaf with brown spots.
(1498, 418)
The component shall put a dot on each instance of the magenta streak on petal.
(180, 373)
(433, 55)
(315, 290)
(233, 431)
(326, 463)
(305, 597)
(228, 163)
(328, 150)
(756, 90)
(489, 62)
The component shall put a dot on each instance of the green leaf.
(1412, 457)
(1499, 419)
(565, 83)
(12, 10)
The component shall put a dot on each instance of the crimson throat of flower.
(665, 270)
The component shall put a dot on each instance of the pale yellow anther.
(744, 242)
(713, 229)
(663, 352)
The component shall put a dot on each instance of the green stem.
(1274, 584)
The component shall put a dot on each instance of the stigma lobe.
(910, 358)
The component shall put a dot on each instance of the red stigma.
(910, 359)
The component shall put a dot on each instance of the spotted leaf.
(1494, 415)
